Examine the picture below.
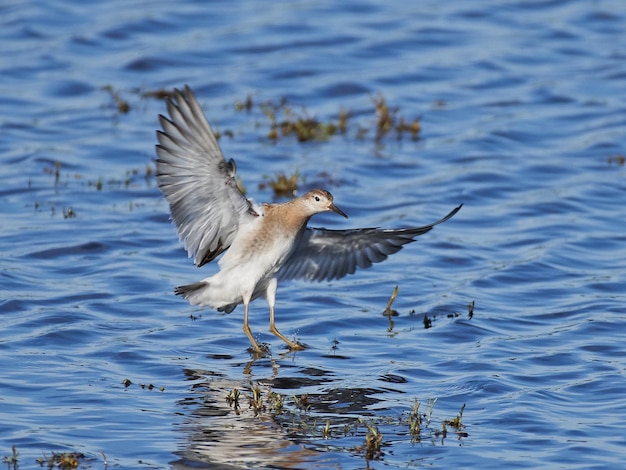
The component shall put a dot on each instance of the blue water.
(523, 119)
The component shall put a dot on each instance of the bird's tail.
(197, 293)
(206, 294)
(189, 290)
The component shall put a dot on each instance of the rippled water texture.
(523, 119)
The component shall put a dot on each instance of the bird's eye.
(317, 198)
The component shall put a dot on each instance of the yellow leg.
(275, 331)
(246, 329)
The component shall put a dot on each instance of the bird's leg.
(246, 328)
(271, 300)
(274, 330)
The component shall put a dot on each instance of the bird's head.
(320, 200)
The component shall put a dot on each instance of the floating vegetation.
(56, 171)
(62, 460)
(131, 177)
(232, 398)
(618, 159)
(342, 125)
(283, 185)
(302, 126)
(67, 179)
(121, 104)
(418, 421)
(285, 121)
(428, 320)
(13, 459)
(373, 441)
(457, 423)
(227, 133)
(302, 402)
(246, 105)
(299, 417)
(159, 94)
(256, 400)
(275, 401)
(69, 213)
(151, 387)
(415, 422)
(389, 312)
(127, 383)
(388, 120)
(64, 178)
(194, 317)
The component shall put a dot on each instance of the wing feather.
(324, 255)
(206, 205)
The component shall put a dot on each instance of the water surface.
(522, 115)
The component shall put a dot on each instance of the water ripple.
(522, 120)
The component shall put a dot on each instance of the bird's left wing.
(324, 255)
(199, 184)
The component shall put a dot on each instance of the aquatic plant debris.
(13, 459)
(307, 417)
(62, 460)
(123, 107)
(373, 441)
(388, 311)
(286, 121)
(283, 185)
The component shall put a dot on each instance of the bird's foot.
(259, 351)
(296, 346)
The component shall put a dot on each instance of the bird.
(260, 244)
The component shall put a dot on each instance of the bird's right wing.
(323, 255)
(205, 202)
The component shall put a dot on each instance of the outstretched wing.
(323, 255)
(205, 202)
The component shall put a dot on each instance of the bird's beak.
(334, 208)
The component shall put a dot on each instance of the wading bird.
(262, 244)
